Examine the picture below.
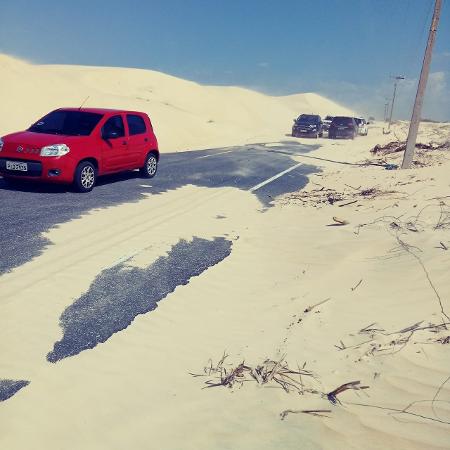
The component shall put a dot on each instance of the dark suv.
(342, 126)
(307, 125)
(74, 145)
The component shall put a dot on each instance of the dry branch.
(313, 412)
(354, 385)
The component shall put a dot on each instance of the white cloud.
(437, 83)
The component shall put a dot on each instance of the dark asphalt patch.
(10, 387)
(121, 293)
(29, 209)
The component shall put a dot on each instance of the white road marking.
(214, 154)
(278, 175)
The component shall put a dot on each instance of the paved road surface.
(31, 209)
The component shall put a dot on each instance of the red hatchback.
(74, 145)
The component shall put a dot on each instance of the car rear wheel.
(150, 167)
(85, 177)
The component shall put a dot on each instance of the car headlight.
(1, 144)
(312, 126)
(55, 150)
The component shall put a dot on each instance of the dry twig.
(354, 385)
(313, 412)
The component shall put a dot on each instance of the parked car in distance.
(327, 122)
(75, 146)
(342, 126)
(362, 126)
(307, 125)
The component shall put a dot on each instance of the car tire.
(321, 134)
(330, 135)
(85, 177)
(150, 167)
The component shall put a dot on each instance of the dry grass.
(268, 373)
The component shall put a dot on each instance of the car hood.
(38, 140)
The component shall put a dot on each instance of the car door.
(115, 155)
(138, 143)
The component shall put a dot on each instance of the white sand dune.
(186, 115)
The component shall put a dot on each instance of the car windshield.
(358, 121)
(68, 123)
(343, 121)
(305, 118)
(329, 118)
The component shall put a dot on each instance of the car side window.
(114, 125)
(136, 124)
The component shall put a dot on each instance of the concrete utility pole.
(396, 80)
(386, 109)
(415, 119)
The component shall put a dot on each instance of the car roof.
(100, 110)
(308, 115)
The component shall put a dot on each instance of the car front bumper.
(51, 169)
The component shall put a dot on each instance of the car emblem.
(20, 149)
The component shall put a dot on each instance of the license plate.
(12, 165)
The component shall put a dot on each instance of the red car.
(74, 145)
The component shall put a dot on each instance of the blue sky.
(345, 49)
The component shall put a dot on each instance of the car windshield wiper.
(45, 131)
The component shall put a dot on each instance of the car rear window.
(69, 123)
(343, 121)
(307, 118)
(136, 124)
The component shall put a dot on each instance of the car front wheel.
(148, 170)
(85, 177)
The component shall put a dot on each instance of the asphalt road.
(119, 293)
(31, 209)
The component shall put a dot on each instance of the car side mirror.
(367, 123)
